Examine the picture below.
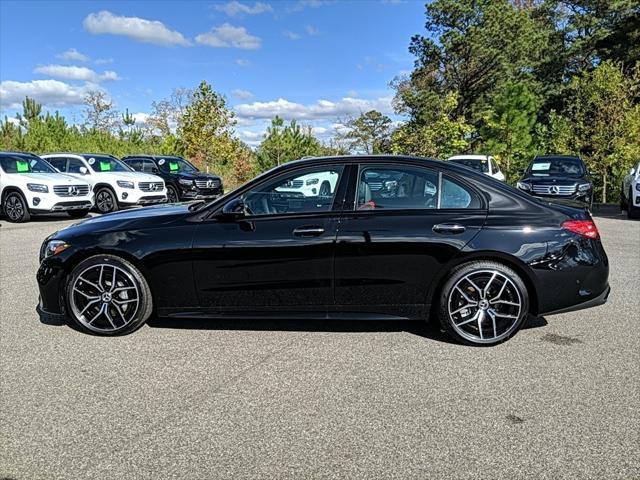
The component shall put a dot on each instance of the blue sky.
(313, 60)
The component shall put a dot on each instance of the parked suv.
(29, 185)
(481, 163)
(558, 176)
(113, 182)
(184, 181)
(630, 194)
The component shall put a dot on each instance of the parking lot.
(300, 399)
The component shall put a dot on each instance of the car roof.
(469, 157)
(17, 154)
(568, 157)
(83, 154)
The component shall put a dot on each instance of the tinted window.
(135, 164)
(148, 166)
(23, 164)
(59, 162)
(454, 195)
(103, 163)
(308, 191)
(74, 165)
(175, 165)
(478, 165)
(401, 187)
(559, 166)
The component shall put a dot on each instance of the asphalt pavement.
(299, 399)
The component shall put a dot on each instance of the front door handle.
(308, 231)
(448, 228)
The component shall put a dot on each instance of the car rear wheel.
(15, 208)
(78, 213)
(632, 210)
(107, 295)
(172, 194)
(106, 201)
(483, 303)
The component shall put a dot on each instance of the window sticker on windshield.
(92, 161)
(173, 166)
(540, 166)
(105, 166)
(161, 161)
(22, 166)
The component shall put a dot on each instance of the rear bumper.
(593, 302)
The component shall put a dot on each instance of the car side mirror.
(83, 170)
(234, 209)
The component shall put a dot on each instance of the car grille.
(215, 183)
(151, 186)
(560, 190)
(71, 190)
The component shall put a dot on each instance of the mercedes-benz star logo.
(72, 190)
(210, 183)
(554, 190)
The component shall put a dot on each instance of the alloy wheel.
(172, 196)
(104, 201)
(14, 207)
(485, 306)
(105, 298)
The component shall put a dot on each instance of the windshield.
(175, 165)
(550, 166)
(478, 165)
(104, 163)
(23, 164)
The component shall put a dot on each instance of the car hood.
(554, 180)
(49, 178)
(131, 176)
(196, 176)
(136, 218)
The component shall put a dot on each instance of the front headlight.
(524, 186)
(125, 184)
(54, 247)
(312, 181)
(186, 183)
(584, 187)
(38, 187)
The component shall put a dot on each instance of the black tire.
(325, 189)
(632, 211)
(106, 200)
(15, 208)
(623, 201)
(117, 318)
(172, 194)
(515, 291)
(78, 213)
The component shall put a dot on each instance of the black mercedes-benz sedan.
(558, 176)
(392, 238)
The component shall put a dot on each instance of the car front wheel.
(632, 210)
(106, 201)
(172, 194)
(15, 208)
(107, 295)
(483, 303)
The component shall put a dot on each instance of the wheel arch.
(512, 262)
(100, 185)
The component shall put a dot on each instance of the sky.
(315, 61)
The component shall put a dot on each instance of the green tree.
(369, 133)
(283, 143)
(99, 112)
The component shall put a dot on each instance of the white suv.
(630, 194)
(320, 184)
(30, 185)
(114, 183)
(482, 163)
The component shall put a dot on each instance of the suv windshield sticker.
(161, 161)
(540, 166)
(22, 166)
(105, 166)
(173, 166)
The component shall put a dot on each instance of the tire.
(172, 194)
(78, 213)
(632, 210)
(106, 201)
(624, 205)
(15, 208)
(506, 301)
(100, 306)
(325, 189)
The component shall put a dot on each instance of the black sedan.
(393, 238)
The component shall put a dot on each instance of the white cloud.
(291, 35)
(242, 62)
(242, 94)
(72, 72)
(235, 8)
(141, 118)
(73, 55)
(51, 93)
(302, 4)
(228, 36)
(140, 29)
(311, 30)
(322, 109)
(103, 61)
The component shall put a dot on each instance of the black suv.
(184, 181)
(558, 176)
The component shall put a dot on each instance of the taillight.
(586, 228)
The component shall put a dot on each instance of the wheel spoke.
(493, 320)
(466, 297)
(476, 287)
(113, 280)
(481, 315)
(97, 287)
(88, 297)
(106, 313)
(97, 314)
(473, 319)
(466, 306)
(504, 302)
(486, 287)
(92, 302)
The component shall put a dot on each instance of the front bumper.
(135, 196)
(583, 197)
(49, 202)
(200, 194)
(50, 278)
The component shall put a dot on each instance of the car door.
(280, 254)
(408, 222)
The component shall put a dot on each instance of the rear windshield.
(22, 164)
(104, 163)
(478, 165)
(552, 166)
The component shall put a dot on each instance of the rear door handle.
(448, 228)
(308, 231)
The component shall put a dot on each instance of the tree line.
(508, 78)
